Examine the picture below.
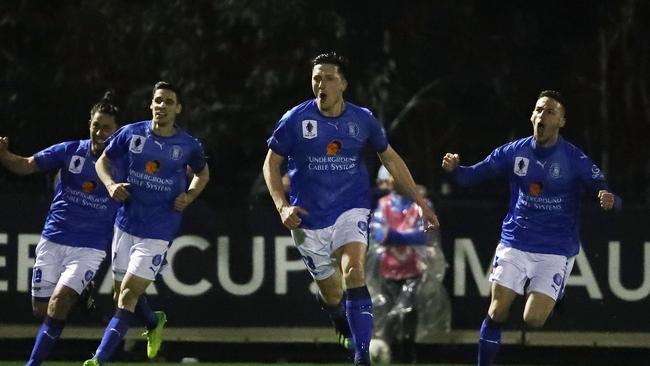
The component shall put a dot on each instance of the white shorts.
(56, 264)
(545, 273)
(317, 246)
(138, 256)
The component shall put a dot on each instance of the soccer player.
(154, 156)
(78, 227)
(540, 236)
(328, 208)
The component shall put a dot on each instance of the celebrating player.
(329, 199)
(154, 157)
(539, 237)
(78, 227)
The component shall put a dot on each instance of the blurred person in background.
(406, 268)
(78, 227)
(540, 233)
(327, 209)
(153, 157)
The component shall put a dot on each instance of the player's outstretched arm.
(197, 185)
(400, 172)
(290, 215)
(15, 163)
(117, 191)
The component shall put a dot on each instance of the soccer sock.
(489, 341)
(358, 308)
(336, 314)
(45, 339)
(144, 313)
(113, 335)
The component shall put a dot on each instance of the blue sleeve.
(197, 160)
(493, 165)
(592, 178)
(52, 158)
(376, 133)
(117, 144)
(589, 174)
(281, 140)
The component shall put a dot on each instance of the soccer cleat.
(154, 336)
(345, 342)
(92, 362)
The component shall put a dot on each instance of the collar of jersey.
(149, 131)
(544, 152)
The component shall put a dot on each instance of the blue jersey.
(156, 169)
(546, 186)
(81, 213)
(324, 159)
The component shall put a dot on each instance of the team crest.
(76, 164)
(309, 129)
(353, 129)
(137, 144)
(521, 166)
(176, 152)
(555, 170)
(156, 260)
(88, 275)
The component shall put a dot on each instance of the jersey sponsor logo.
(137, 144)
(521, 166)
(176, 152)
(535, 188)
(76, 164)
(353, 129)
(309, 129)
(555, 170)
(152, 167)
(334, 147)
(541, 164)
(88, 186)
(160, 144)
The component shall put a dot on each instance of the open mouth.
(322, 97)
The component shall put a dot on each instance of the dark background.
(444, 76)
(457, 76)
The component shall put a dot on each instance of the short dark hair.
(168, 86)
(554, 94)
(332, 58)
(106, 105)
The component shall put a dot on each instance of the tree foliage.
(444, 76)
